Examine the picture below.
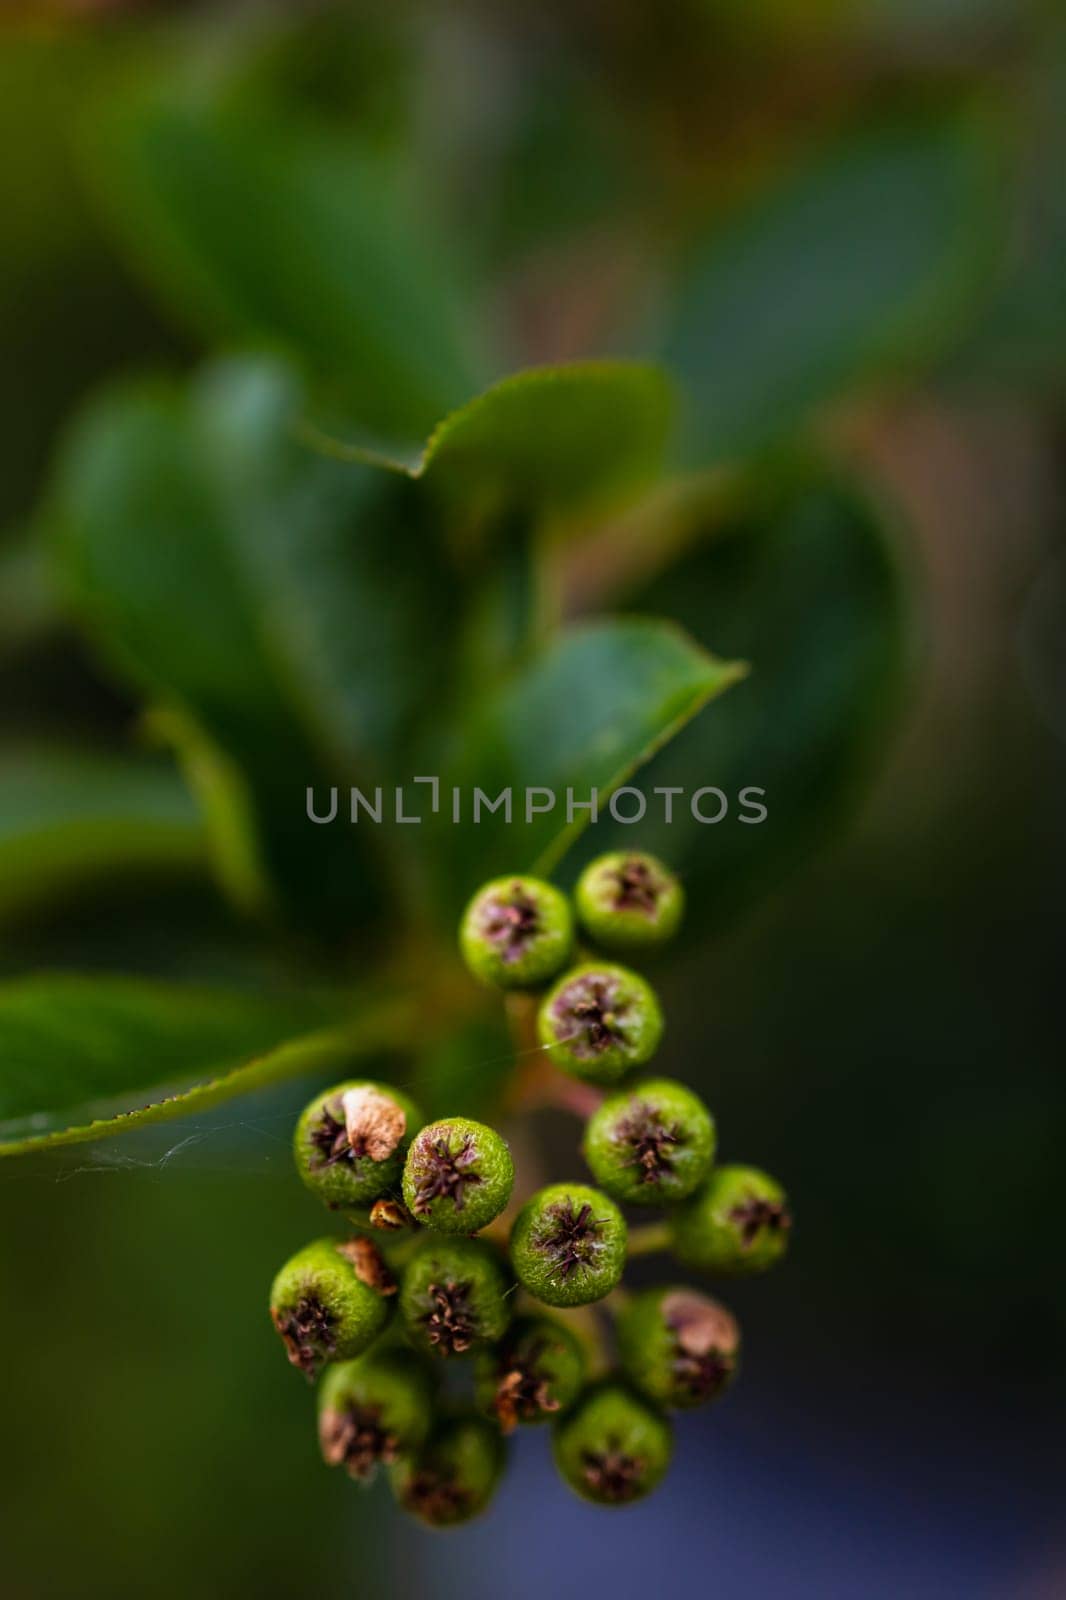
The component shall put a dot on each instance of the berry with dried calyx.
(330, 1301)
(454, 1296)
(599, 1021)
(678, 1347)
(532, 1375)
(629, 901)
(372, 1409)
(517, 933)
(568, 1245)
(738, 1222)
(453, 1475)
(351, 1142)
(458, 1176)
(650, 1145)
(612, 1448)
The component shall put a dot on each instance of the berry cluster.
(432, 1269)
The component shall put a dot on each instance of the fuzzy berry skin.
(568, 1245)
(532, 1375)
(351, 1142)
(516, 933)
(458, 1176)
(600, 1021)
(330, 1302)
(612, 1448)
(373, 1409)
(454, 1296)
(628, 901)
(651, 1145)
(737, 1223)
(453, 1475)
(678, 1347)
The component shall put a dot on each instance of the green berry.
(612, 1448)
(453, 1475)
(599, 1021)
(330, 1302)
(458, 1176)
(678, 1347)
(351, 1142)
(534, 1372)
(372, 1409)
(568, 1245)
(629, 901)
(516, 933)
(738, 1222)
(651, 1145)
(454, 1296)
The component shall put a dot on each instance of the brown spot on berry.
(369, 1264)
(390, 1216)
(450, 1322)
(441, 1173)
(756, 1213)
(355, 1439)
(308, 1333)
(586, 1014)
(522, 1394)
(435, 1496)
(611, 1474)
(645, 1131)
(637, 887)
(510, 923)
(374, 1123)
(707, 1339)
(570, 1236)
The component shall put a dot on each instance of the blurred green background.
(881, 1023)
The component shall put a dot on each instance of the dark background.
(883, 1029)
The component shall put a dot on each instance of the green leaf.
(265, 229)
(83, 1058)
(549, 440)
(865, 259)
(70, 819)
(583, 715)
(801, 578)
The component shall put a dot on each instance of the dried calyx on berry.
(612, 1448)
(532, 1375)
(330, 1302)
(678, 1347)
(373, 1409)
(458, 1176)
(651, 1145)
(351, 1142)
(454, 1296)
(516, 933)
(629, 901)
(453, 1475)
(599, 1021)
(738, 1222)
(568, 1245)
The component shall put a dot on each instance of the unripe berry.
(454, 1475)
(454, 1295)
(651, 1145)
(612, 1448)
(629, 901)
(330, 1301)
(516, 933)
(599, 1021)
(458, 1176)
(678, 1347)
(534, 1373)
(372, 1409)
(738, 1222)
(568, 1245)
(351, 1142)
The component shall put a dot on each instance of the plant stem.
(649, 1239)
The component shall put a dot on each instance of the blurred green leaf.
(865, 259)
(266, 229)
(582, 715)
(80, 1057)
(801, 579)
(69, 819)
